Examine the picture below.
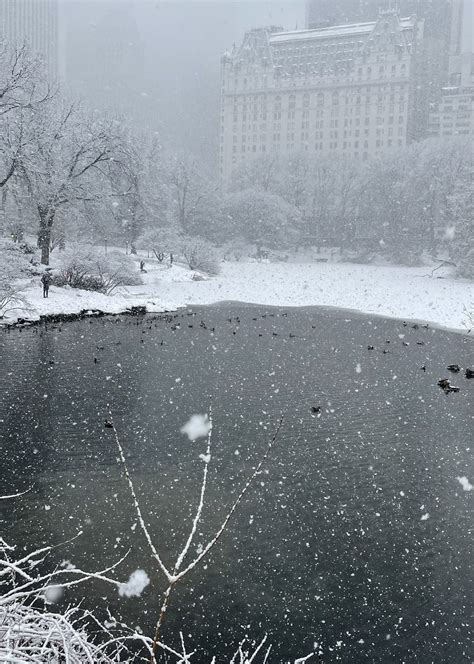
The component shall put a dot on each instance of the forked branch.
(176, 575)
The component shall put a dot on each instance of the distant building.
(34, 22)
(440, 18)
(347, 89)
(323, 13)
(453, 114)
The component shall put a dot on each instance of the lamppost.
(105, 244)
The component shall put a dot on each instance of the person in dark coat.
(46, 281)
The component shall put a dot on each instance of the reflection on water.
(329, 547)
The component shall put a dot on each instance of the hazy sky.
(159, 62)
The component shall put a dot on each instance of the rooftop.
(352, 29)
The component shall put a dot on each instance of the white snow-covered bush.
(162, 242)
(17, 261)
(29, 634)
(90, 270)
(200, 255)
(10, 297)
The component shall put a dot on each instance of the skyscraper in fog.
(453, 114)
(35, 23)
(320, 13)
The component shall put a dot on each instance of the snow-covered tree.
(23, 89)
(262, 218)
(199, 255)
(193, 195)
(262, 173)
(70, 160)
(162, 242)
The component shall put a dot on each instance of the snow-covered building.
(453, 113)
(346, 89)
(35, 23)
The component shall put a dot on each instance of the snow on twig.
(136, 505)
(176, 575)
(207, 460)
(239, 498)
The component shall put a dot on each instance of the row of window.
(320, 98)
(356, 90)
(305, 126)
(346, 152)
(335, 112)
(307, 111)
(291, 116)
(305, 136)
(380, 131)
(319, 69)
(332, 145)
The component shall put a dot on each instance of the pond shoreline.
(391, 292)
(66, 318)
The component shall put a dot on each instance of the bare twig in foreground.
(177, 575)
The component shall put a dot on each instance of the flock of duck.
(175, 321)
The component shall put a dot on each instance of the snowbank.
(399, 292)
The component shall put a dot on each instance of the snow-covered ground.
(400, 292)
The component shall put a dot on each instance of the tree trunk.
(44, 235)
(3, 216)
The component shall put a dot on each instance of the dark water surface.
(329, 547)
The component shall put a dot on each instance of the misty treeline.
(405, 203)
(68, 173)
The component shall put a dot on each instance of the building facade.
(453, 113)
(441, 23)
(35, 23)
(346, 90)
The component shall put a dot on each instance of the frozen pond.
(356, 537)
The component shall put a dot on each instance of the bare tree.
(262, 173)
(192, 193)
(23, 89)
(70, 162)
